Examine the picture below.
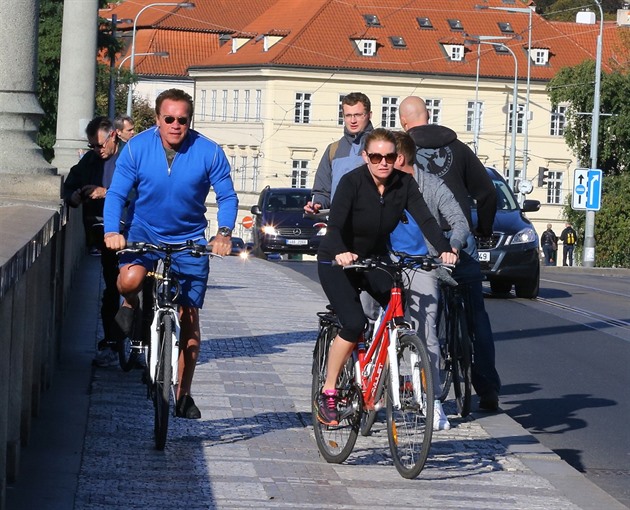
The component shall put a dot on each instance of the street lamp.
(186, 5)
(481, 40)
(163, 54)
(588, 256)
(111, 106)
(529, 12)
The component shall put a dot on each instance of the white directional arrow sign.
(580, 183)
(587, 189)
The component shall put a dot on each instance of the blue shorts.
(191, 272)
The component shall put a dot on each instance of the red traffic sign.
(247, 222)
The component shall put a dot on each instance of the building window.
(506, 27)
(213, 105)
(247, 105)
(243, 171)
(554, 187)
(398, 41)
(367, 47)
(540, 57)
(235, 106)
(340, 114)
(202, 110)
(255, 172)
(371, 20)
(520, 119)
(233, 169)
(558, 120)
(455, 52)
(474, 116)
(258, 105)
(434, 107)
(389, 110)
(224, 101)
(424, 22)
(302, 108)
(300, 173)
(455, 25)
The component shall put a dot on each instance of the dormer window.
(367, 47)
(506, 27)
(539, 56)
(455, 24)
(224, 38)
(501, 49)
(424, 23)
(455, 52)
(398, 42)
(371, 20)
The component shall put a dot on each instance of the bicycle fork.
(155, 340)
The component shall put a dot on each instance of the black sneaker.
(489, 402)
(327, 408)
(125, 319)
(186, 408)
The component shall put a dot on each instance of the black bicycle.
(456, 347)
(160, 341)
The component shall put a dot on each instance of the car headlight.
(321, 232)
(527, 235)
(270, 230)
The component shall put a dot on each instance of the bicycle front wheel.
(335, 442)
(461, 364)
(162, 390)
(410, 424)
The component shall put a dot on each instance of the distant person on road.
(423, 295)
(549, 245)
(373, 194)
(439, 152)
(568, 237)
(345, 154)
(87, 184)
(125, 127)
(172, 168)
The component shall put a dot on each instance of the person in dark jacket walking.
(87, 184)
(568, 237)
(549, 245)
(439, 152)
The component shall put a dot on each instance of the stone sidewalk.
(254, 447)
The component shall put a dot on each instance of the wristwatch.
(225, 231)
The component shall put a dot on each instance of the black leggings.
(342, 288)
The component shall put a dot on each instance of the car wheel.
(528, 289)
(499, 287)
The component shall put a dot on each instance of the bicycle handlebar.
(404, 261)
(196, 250)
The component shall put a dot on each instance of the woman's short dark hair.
(174, 95)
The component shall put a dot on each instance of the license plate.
(297, 242)
(484, 256)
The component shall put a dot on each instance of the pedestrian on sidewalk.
(172, 168)
(568, 237)
(87, 184)
(549, 245)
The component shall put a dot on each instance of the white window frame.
(213, 105)
(202, 110)
(367, 47)
(303, 104)
(258, 116)
(434, 108)
(247, 105)
(299, 174)
(520, 120)
(340, 113)
(558, 120)
(471, 116)
(224, 105)
(554, 187)
(389, 111)
(539, 56)
(235, 98)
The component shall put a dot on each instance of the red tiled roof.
(319, 34)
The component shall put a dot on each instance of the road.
(563, 360)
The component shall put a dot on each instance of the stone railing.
(40, 249)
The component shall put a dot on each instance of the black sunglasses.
(100, 145)
(376, 158)
(182, 121)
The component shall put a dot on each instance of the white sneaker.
(440, 421)
(105, 358)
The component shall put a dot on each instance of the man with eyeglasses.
(172, 167)
(87, 184)
(345, 154)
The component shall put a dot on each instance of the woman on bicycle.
(368, 205)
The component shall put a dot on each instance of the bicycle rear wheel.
(162, 386)
(443, 386)
(410, 426)
(335, 443)
(462, 361)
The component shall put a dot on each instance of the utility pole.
(111, 105)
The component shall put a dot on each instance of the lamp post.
(163, 54)
(484, 40)
(529, 12)
(111, 101)
(588, 255)
(187, 5)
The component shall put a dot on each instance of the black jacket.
(440, 152)
(361, 220)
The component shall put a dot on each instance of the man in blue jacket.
(172, 168)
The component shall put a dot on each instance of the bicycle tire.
(335, 443)
(162, 393)
(462, 363)
(127, 356)
(443, 386)
(410, 428)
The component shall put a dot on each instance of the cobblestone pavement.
(254, 447)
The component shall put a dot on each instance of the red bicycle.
(393, 364)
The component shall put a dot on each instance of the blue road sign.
(594, 191)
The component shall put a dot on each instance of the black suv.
(279, 225)
(510, 256)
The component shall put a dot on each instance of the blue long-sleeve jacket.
(170, 201)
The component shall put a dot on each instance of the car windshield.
(287, 201)
(505, 199)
